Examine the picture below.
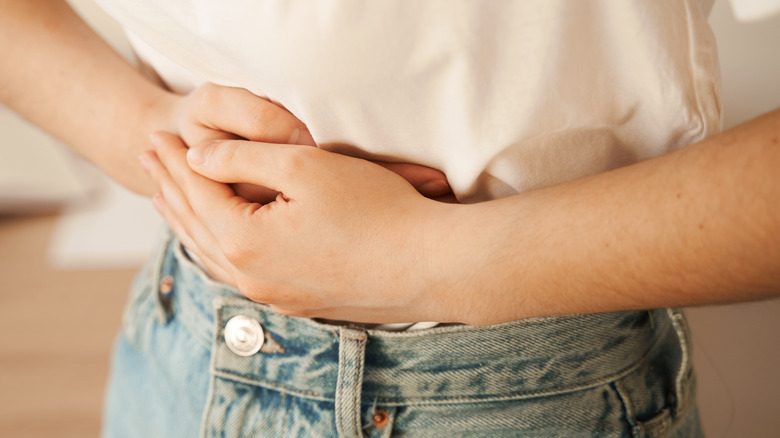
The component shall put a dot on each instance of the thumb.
(238, 161)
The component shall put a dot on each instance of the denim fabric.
(622, 374)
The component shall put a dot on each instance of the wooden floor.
(56, 331)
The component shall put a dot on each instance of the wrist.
(478, 273)
(445, 269)
(154, 110)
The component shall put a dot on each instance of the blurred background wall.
(737, 347)
(63, 277)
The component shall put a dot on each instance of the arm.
(67, 80)
(697, 226)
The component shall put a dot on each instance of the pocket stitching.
(657, 424)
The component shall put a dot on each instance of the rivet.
(380, 418)
(166, 285)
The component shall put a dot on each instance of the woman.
(504, 98)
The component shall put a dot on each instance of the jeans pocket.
(652, 410)
(652, 397)
(587, 413)
(646, 407)
(236, 409)
(658, 395)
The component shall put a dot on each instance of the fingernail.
(436, 187)
(197, 155)
(302, 136)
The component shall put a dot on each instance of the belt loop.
(163, 261)
(352, 353)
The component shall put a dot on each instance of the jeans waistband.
(451, 364)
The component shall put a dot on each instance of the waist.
(447, 364)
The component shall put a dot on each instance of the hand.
(214, 112)
(345, 239)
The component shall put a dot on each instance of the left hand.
(346, 239)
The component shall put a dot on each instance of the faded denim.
(622, 374)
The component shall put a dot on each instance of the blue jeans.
(181, 368)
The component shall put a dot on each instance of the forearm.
(67, 80)
(697, 226)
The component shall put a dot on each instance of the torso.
(503, 96)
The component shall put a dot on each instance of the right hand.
(214, 112)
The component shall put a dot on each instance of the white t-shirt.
(502, 96)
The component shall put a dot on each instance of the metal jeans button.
(244, 335)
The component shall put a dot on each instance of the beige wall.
(737, 348)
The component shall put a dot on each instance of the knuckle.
(223, 153)
(237, 252)
(296, 160)
(272, 123)
(208, 95)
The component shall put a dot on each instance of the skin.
(351, 241)
(68, 81)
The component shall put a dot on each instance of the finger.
(277, 166)
(172, 153)
(177, 213)
(428, 181)
(173, 221)
(175, 208)
(238, 111)
(216, 269)
(213, 204)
